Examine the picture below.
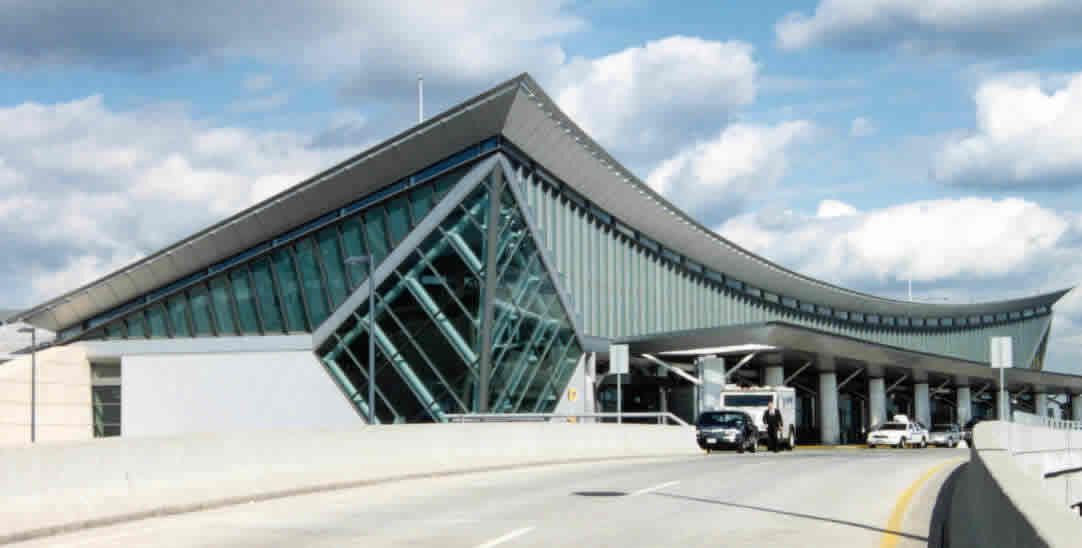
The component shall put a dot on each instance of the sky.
(862, 142)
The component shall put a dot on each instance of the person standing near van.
(773, 421)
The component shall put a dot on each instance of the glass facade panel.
(353, 241)
(247, 316)
(223, 308)
(204, 325)
(333, 265)
(398, 219)
(421, 203)
(116, 331)
(429, 324)
(178, 316)
(156, 322)
(270, 309)
(136, 326)
(291, 292)
(313, 282)
(375, 234)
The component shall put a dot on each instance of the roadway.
(813, 497)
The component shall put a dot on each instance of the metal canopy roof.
(877, 356)
(520, 111)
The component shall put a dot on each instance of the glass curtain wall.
(429, 318)
(291, 289)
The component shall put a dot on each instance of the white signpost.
(619, 363)
(1002, 358)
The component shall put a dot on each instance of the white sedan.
(898, 434)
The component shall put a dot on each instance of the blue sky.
(860, 141)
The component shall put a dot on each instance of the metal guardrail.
(662, 418)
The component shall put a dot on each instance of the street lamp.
(370, 261)
(33, 379)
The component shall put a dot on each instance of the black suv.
(727, 429)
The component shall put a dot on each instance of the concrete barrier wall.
(57, 487)
(63, 410)
(998, 502)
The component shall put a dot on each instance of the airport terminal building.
(508, 252)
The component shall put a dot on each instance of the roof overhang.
(879, 358)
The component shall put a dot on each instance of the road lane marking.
(652, 489)
(509, 536)
(890, 538)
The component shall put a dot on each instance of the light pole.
(367, 259)
(33, 380)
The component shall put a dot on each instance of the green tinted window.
(136, 326)
(376, 235)
(178, 316)
(353, 240)
(291, 291)
(242, 291)
(270, 309)
(115, 331)
(312, 281)
(421, 203)
(223, 308)
(398, 217)
(332, 258)
(156, 322)
(204, 326)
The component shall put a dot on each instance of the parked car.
(727, 429)
(946, 435)
(898, 433)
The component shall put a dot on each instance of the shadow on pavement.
(937, 531)
(793, 514)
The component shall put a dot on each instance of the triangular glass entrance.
(434, 333)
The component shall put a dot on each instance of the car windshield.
(730, 420)
(941, 428)
(894, 426)
(748, 400)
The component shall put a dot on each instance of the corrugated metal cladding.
(621, 289)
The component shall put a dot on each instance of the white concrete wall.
(171, 394)
(48, 488)
(63, 397)
(580, 387)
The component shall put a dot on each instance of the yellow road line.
(890, 540)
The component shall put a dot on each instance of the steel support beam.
(850, 377)
(743, 361)
(491, 258)
(896, 383)
(798, 372)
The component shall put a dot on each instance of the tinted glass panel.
(156, 322)
(201, 311)
(242, 292)
(270, 310)
(291, 291)
(178, 316)
(223, 309)
(353, 240)
(376, 235)
(421, 202)
(332, 259)
(136, 326)
(313, 281)
(116, 331)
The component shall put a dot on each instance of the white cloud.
(634, 94)
(93, 188)
(370, 47)
(929, 26)
(712, 179)
(262, 103)
(862, 127)
(930, 241)
(1029, 131)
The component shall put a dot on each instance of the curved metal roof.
(520, 111)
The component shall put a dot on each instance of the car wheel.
(923, 443)
(901, 443)
(871, 446)
(740, 448)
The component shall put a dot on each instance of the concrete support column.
(922, 406)
(774, 372)
(877, 402)
(965, 404)
(1040, 404)
(829, 433)
(1003, 405)
(1076, 408)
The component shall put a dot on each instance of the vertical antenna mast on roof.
(420, 98)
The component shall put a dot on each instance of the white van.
(755, 399)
